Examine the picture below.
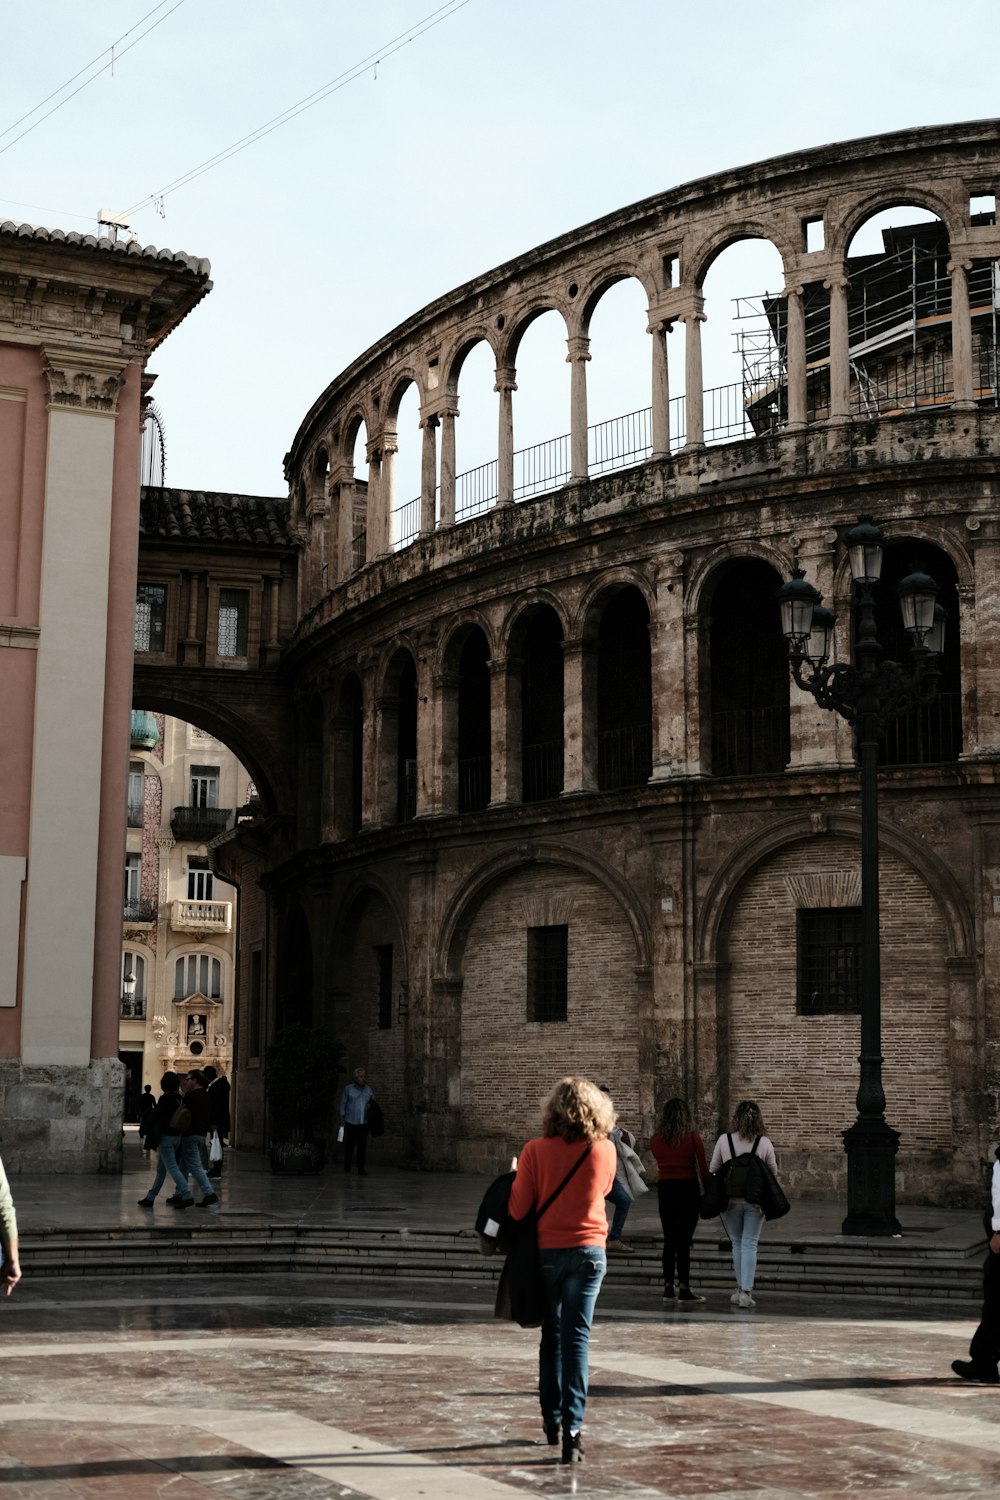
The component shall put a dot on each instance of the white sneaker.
(746, 1300)
(735, 1298)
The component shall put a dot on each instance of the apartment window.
(829, 961)
(133, 877)
(200, 881)
(150, 616)
(135, 787)
(197, 974)
(204, 786)
(548, 970)
(383, 976)
(234, 606)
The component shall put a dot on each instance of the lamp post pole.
(868, 693)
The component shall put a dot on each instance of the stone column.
(981, 623)
(579, 705)
(371, 801)
(819, 737)
(961, 336)
(840, 358)
(667, 668)
(660, 416)
(428, 475)
(694, 382)
(342, 485)
(445, 692)
(448, 415)
(577, 358)
(373, 508)
(796, 373)
(191, 652)
(428, 733)
(505, 731)
(506, 385)
(387, 495)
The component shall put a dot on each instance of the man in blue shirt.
(354, 1102)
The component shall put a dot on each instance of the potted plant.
(300, 1079)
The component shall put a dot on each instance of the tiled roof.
(10, 229)
(206, 516)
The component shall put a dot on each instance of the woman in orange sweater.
(573, 1158)
(680, 1156)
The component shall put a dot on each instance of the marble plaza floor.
(315, 1386)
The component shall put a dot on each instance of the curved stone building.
(560, 807)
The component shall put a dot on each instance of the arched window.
(541, 707)
(624, 693)
(406, 744)
(197, 974)
(749, 732)
(474, 723)
(133, 986)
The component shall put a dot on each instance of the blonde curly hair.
(747, 1119)
(578, 1111)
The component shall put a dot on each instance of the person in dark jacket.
(168, 1140)
(984, 1351)
(197, 1105)
(217, 1089)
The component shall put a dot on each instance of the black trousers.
(984, 1351)
(678, 1201)
(355, 1136)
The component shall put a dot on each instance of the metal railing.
(750, 741)
(406, 792)
(928, 734)
(200, 823)
(541, 771)
(624, 756)
(473, 783)
(141, 909)
(359, 550)
(407, 526)
(132, 1008)
(134, 815)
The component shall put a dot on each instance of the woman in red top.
(680, 1156)
(576, 1119)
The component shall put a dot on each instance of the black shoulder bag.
(521, 1291)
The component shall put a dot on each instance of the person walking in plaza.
(193, 1131)
(218, 1091)
(10, 1264)
(680, 1158)
(744, 1221)
(167, 1140)
(573, 1159)
(620, 1196)
(355, 1098)
(147, 1109)
(984, 1351)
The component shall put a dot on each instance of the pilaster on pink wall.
(23, 430)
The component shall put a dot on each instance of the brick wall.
(804, 1070)
(509, 1064)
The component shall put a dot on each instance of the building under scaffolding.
(899, 327)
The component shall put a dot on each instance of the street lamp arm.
(887, 691)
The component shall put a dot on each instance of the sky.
(463, 133)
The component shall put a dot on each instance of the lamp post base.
(871, 1146)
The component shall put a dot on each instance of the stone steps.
(214, 1245)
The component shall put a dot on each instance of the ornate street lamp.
(868, 693)
(128, 992)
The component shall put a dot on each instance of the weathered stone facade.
(440, 815)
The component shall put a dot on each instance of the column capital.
(83, 379)
(506, 378)
(579, 348)
(960, 263)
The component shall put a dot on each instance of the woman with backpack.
(744, 1221)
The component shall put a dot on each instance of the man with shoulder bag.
(193, 1121)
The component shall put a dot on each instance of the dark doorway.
(474, 723)
(624, 694)
(406, 744)
(542, 708)
(748, 692)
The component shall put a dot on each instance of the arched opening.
(474, 722)
(476, 434)
(899, 312)
(928, 733)
(743, 342)
(624, 693)
(347, 728)
(356, 526)
(541, 408)
(618, 379)
(399, 731)
(748, 673)
(541, 655)
(404, 468)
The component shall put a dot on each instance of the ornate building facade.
(558, 807)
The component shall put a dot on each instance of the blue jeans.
(572, 1281)
(166, 1161)
(622, 1200)
(191, 1164)
(744, 1222)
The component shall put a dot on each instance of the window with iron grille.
(383, 975)
(829, 961)
(548, 970)
(136, 774)
(150, 616)
(233, 610)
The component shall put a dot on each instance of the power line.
(434, 18)
(87, 81)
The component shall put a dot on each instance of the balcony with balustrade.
(201, 916)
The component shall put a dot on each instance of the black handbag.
(521, 1290)
(714, 1198)
(764, 1189)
